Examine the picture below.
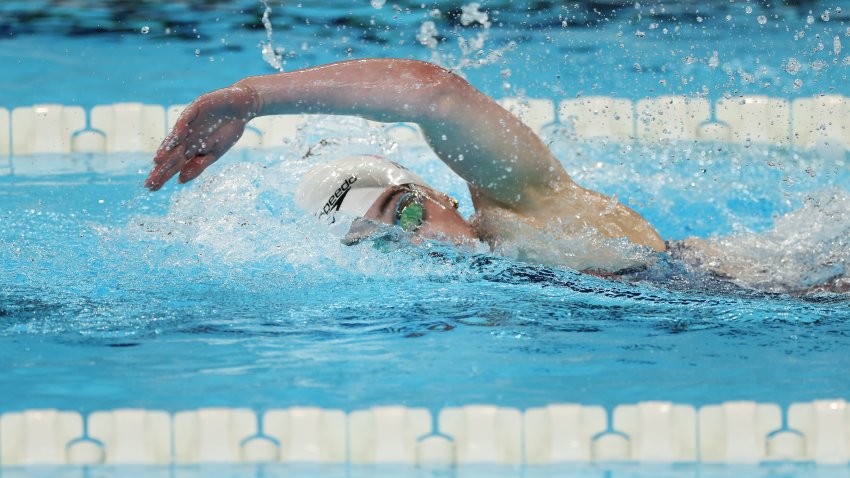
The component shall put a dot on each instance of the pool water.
(223, 293)
(168, 53)
(225, 285)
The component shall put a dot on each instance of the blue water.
(222, 293)
(623, 49)
(118, 297)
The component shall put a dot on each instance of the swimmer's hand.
(206, 129)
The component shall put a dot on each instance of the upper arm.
(501, 158)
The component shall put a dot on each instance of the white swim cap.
(350, 185)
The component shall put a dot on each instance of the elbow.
(439, 91)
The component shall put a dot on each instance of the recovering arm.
(499, 156)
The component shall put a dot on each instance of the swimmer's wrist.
(255, 100)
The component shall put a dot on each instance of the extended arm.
(498, 155)
(484, 144)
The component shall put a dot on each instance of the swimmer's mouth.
(386, 237)
(383, 237)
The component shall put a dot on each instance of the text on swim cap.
(335, 201)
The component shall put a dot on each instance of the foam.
(806, 247)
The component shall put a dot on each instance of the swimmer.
(521, 194)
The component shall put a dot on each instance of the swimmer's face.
(417, 209)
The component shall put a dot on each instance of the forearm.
(487, 146)
(380, 90)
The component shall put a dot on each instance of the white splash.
(805, 248)
(239, 221)
(472, 52)
(271, 55)
(427, 35)
(556, 243)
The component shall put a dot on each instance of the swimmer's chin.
(387, 238)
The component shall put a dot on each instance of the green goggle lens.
(410, 213)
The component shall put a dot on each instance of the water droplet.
(270, 54)
(837, 10)
(836, 45)
(798, 83)
(699, 19)
(762, 19)
(378, 3)
(792, 67)
(145, 30)
(640, 34)
(818, 65)
(825, 16)
(749, 9)
(810, 19)
(714, 61)
(197, 52)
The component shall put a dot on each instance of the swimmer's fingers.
(183, 143)
(171, 155)
(225, 137)
(164, 171)
(196, 166)
(179, 134)
(206, 129)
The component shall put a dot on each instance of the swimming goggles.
(410, 210)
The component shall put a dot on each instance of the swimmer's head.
(377, 191)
